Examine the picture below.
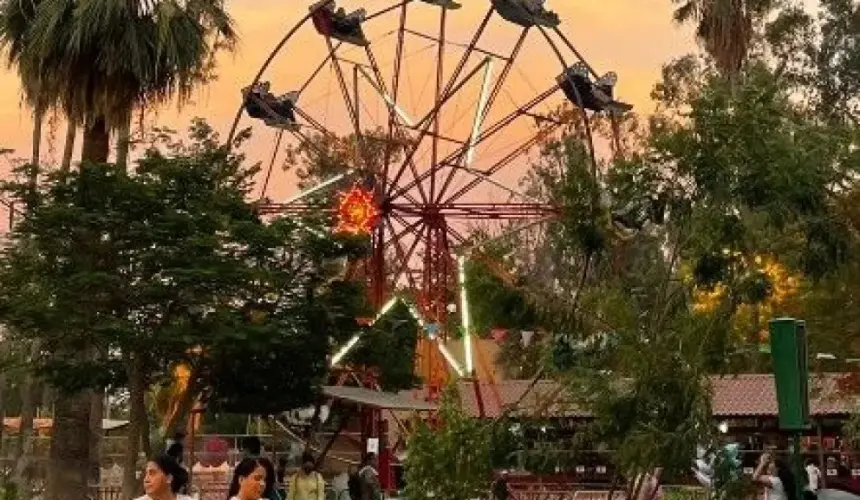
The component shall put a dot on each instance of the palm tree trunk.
(36, 151)
(96, 147)
(69, 147)
(69, 461)
(123, 143)
(38, 119)
(24, 443)
(137, 415)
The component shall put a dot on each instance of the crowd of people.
(255, 477)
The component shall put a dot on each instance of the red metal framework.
(444, 177)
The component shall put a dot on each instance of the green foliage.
(451, 462)
(389, 347)
(493, 303)
(170, 264)
(519, 361)
(158, 54)
(740, 171)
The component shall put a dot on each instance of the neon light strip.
(479, 113)
(464, 314)
(345, 349)
(316, 188)
(450, 359)
(388, 99)
(444, 350)
(355, 338)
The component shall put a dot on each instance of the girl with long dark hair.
(249, 480)
(164, 479)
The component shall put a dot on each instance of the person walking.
(776, 478)
(813, 474)
(307, 483)
(371, 489)
(249, 480)
(163, 479)
(500, 487)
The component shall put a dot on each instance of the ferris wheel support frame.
(424, 215)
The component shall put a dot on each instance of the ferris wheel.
(439, 106)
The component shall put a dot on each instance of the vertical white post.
(466, 320)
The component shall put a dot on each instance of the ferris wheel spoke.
(479, 50)
(350, 105)
(378, 84)
(395, 93)
(313, 123)
(452, 82)
(319, 68)
(425, 125)
(490, 132)
(507, 160)
(386, 10)
(407, 256)
(485, 105)
(570, 46)
(265, 187)
(440, 65)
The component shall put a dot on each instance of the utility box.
(791, 372)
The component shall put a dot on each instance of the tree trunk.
(97, 399)
(24, 443)
(38, 119)
(123, 143)
(136, 386)
(33, 174)
(69, 460)
(4, 384)
(69, 147)
(96, 147)
(145, 435)
(47, 400)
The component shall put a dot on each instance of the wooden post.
(821, 465)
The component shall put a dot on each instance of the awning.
(377, 399)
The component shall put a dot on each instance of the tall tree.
(171, 265)
(161, 51)
(725, 28)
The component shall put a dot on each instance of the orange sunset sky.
(632, 37)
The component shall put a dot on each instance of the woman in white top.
(249, 480)
(163, 478)
(776, 478)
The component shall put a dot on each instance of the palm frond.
(104, 57)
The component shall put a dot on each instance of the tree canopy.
(170, 264)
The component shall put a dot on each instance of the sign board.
(373, 445)
(791, 373)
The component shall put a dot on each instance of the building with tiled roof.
(734, 396)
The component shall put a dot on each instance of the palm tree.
(97, 61)
(726, 28)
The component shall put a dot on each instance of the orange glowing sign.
(357, 212)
